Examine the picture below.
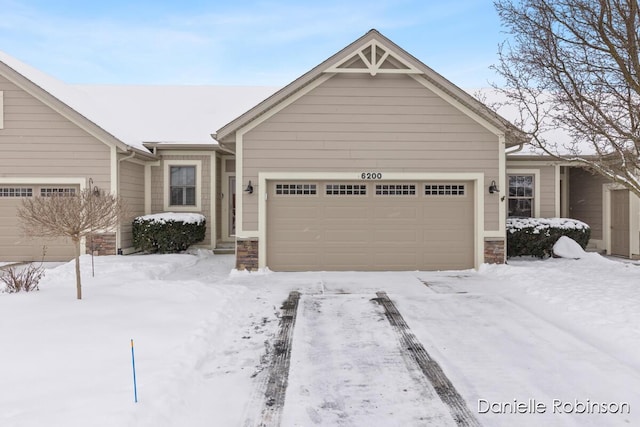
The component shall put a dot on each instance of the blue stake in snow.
(133, 363)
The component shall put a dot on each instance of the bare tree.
(573, 65)
(72, 216)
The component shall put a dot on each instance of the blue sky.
(240, 42)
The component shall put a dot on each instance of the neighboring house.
(541, 186)
(370, 161)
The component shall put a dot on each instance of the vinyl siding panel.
(548, 191)
(38, 142)
(386, 123)
(132, 192)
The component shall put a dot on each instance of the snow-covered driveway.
(348, 369)
(557, 336)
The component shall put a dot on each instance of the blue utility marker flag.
(133, 363)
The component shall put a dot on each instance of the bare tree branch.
(72, 216)
(574, 65)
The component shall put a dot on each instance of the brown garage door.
(14, 246)
(370, 225)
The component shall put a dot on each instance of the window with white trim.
(395, 189)
(57, 191)
(16, 192)
(346, 189)
(296, 189)
(444, 189)
(182, 185)
(521, 191)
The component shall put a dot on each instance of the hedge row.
(536, 236)
(168, 233)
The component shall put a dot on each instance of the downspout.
(119, 232)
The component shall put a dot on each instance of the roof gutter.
(518, 148)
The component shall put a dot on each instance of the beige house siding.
(38, 142)
(386, 123)
(158, 189)
(548, 191)
(585, 199)
(132, 192)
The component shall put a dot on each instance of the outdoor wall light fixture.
(249, 188)
(493, 188)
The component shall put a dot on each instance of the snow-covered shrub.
(168, 232)
(536, 236)
(17, 279)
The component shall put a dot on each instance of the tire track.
(274, 385)
(429, 367)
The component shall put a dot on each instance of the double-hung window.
(182, 186)
(521, 195)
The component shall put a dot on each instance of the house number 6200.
(371, 175)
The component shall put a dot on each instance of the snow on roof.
(138, 114)
(172, 114)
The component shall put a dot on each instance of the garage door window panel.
(16, 192)
(59, 191)
(346, 190)
(296, 189)
(521, 191)
(395, 189)
(444, 190)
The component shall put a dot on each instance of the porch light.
(249, 188)
(493, 188)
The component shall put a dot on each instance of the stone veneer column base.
(494, 251)
(103, 244)
(247, 254)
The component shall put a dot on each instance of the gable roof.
(362, 56)
(129, 116)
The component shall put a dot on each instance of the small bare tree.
(72, 216)
(574, 65)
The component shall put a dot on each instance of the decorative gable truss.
(374, 58)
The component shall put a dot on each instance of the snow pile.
(566, 247)
(164, 217)
(543, 224)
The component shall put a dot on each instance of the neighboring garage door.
(370, 225)
(14, 246)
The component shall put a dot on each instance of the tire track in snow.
(273, 384)
(443, 386)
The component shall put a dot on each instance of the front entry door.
(232, 206)
(620, 223)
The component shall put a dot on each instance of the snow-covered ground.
(535, 331)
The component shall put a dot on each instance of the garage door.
(370, 225)
(14, 246)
